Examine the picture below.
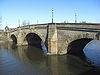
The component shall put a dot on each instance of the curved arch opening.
(76, 47)
(13, 37)
(34, 40)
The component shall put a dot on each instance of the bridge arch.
(33, 39)
(76, 47)
(98, 36)
(14, 38)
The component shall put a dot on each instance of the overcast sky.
(33, 10)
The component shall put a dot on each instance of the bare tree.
(19, 22)
(24, 23)
(28, 23)
(0, 21)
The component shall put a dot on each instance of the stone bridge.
(59, 38)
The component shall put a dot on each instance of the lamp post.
(52, 15)
(75, 17)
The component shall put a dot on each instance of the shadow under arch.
(34, 39)
(76, 47)
(35, 55)
(13, 37)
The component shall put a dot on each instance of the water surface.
(29, 60)
(92, 52)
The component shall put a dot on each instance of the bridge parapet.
(57, 35)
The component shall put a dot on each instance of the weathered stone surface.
(52, 39)
(57, 36)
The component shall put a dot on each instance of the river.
(29, 60)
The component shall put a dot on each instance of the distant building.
(6, 28)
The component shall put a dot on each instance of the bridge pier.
(52, 39)
(20, 39)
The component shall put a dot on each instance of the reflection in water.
(44, 49)
(29, 60)
(92, 52)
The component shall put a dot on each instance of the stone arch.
(34, 39)
(76, 47)
(87, 35)
(98, 35)
(14, 38)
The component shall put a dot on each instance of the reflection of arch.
(33, 52)
(33, 39)
(13, 37)
(76, 47)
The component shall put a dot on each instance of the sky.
(14, 12)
